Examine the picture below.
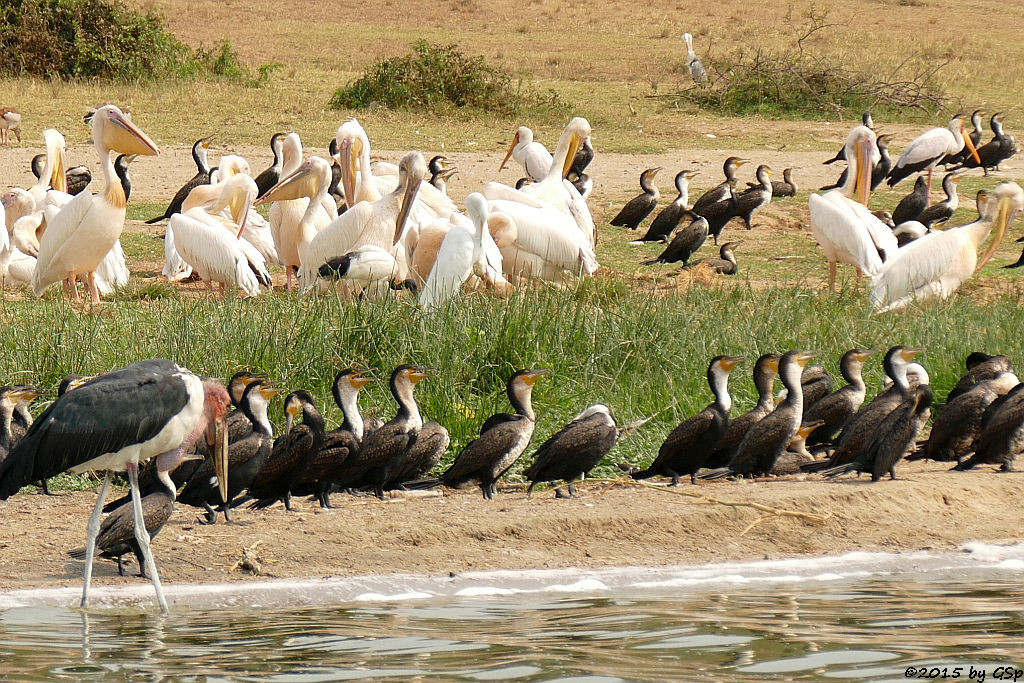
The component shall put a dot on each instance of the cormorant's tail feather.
(715, 474)
(816, 466)
(650, 262)
(77, 553)
(263, 503)
(114, 504)
(838, 470)
(421, 484)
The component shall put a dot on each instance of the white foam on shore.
(388, 588)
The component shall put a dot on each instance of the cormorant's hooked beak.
(205, 142)
(291, 411)
(124, 137)
(515, 141)
(773, 363)
(448, 173)
(531, 376)
(417, 375)
(909, 353)
(969, 144)
(730, 362)
(864, 355)
(269, 393)
(804, 357)
(359, 378)
(807, 428)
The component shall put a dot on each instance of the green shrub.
(103, 39)
(439, 78)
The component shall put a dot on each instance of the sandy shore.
(609, 524)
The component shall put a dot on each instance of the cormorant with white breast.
(575, 449)
(766, 369)
(503, 439)
(668, 218)
(640, 207)
(769, 438)
(756, 198)
(687, 448)
(941, 212)
(271, 175)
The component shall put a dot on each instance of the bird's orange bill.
(1006, 206)
(807, 427)
(804, 357)
(412, 186)
(575, 142)
(969, 144)
(124, 137)
(359, 378)
(864, 168)
(300, 183)
(910, 353)
(532, 376)
(515, 141)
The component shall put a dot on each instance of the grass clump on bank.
(107, 40)
(438, 79)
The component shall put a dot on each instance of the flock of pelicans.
(366, 227)
(155, 414)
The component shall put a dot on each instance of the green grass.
(641, 353)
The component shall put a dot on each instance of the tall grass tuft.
(641, 354)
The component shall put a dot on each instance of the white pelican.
(361, 184)
(697, 72)
(211, 248)
(80, 236)
(532, 155)
(381, 223)
(928, 148)
(10, 120)
(934, 266)
(844, 228)
(467, 250)
(554, 191)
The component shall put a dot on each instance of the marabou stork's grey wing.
(119, 409)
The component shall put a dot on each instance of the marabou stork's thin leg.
(142, 536)
(94, 531)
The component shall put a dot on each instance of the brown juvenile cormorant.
(980, 366)
(1002, 437)
(766, 369)
(913, 205)
(892, 438)
(382, 448)
(575, 449)
(640, 207)
(682, 241)
(687, 448)
(329, 463)
(939, 213)
(725, 264)
(836, 409)
(246, 457)
(291, 453)
(271, 175)
(960, 422)
(202, 177)
(862, 427)
(503, 439)
(756, 198)
(769, 438)
(668, 218)
(781, 188)
(117, 531)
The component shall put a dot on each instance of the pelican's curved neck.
(366, 188)
(113, 193)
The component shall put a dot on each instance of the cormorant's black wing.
(115, 410)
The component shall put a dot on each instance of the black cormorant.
(640, 207)
(575, 449)
(682, 241)
(836, 409)
(668, 218)
(271, 175)
(292, 451)
(914, 204)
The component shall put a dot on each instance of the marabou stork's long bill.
(152, 408)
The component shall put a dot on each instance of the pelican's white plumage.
(530, 154)
(935, 265)
(80, 236)
(467, 250)
(209, 247)
(845, 229)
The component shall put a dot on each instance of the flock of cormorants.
(812, 428)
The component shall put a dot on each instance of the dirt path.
(610, 524)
